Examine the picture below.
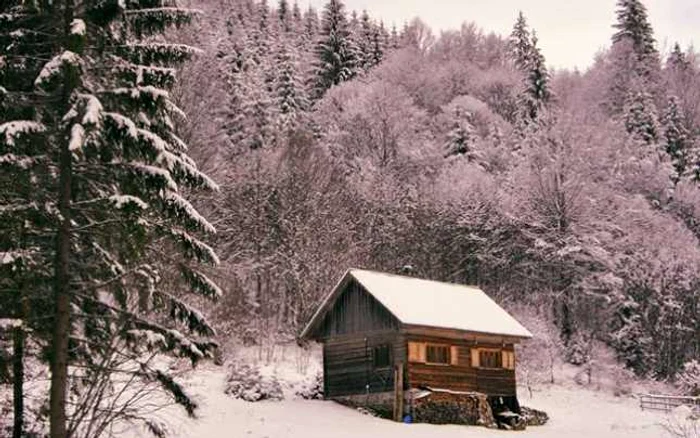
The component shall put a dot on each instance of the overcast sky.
(570, 31)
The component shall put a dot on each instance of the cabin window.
(490, 359)
(381, 356)
(493, 358)
(437, 354)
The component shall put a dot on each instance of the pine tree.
(677, 60)
(461, 138)
(311, 26)
(336, 56)
(635, 58)
(257, 112)
(283, 14)
(537, 89)
(641, 119)
(520, 44)
(528, 59)
(633, 25)
(378, 46)
(364, 42)
(676, 138)
(93, 130)
(394, 38)
(296, 17)
(289, 89)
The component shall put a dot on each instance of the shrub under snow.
(312, 389)
(246, 383)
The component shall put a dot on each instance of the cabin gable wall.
(355, 311)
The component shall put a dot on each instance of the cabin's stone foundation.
(380, 403)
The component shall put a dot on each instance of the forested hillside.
(340, 142)
(155, 155)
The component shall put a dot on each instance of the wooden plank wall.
(356, 311)
(462, 377)
(348, 367)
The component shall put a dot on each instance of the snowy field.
(574, 413)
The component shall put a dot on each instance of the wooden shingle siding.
(356, 311)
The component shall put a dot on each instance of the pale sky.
(570, 31)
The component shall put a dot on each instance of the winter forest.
(184, 179)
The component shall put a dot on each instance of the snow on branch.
(77, 138)
(17, 161)
(93, 110)
(184, 166)
(157, 53)
(194, 248)
(185, 211)
(156, 173)
(202, 284)
(124, 124)
(122, 201)
(10, 323)
(9, 258)
(144, 95)
(54, 66)
(13, 130)
(77, 27)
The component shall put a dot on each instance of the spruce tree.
(676, 138)
(520, 44)
(283, 14)
(461, 138)
(677, 60)
(92, 127)
(635, 58)
(640, 117)
(537, 89)
(289, 89)
(633, 25)
(336, 55)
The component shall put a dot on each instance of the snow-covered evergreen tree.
(537, 89)
(284, 16)
(677, 59)
(336, 55)
(676, 138)
(257, 112)
(289, 89)
(636, 64)
(520, 44)
(102, 126)
(462, 137)
(641, 119)
(633, 25)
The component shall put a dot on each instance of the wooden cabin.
(385, 335)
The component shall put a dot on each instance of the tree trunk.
(18, 381)
(62, 315)
(61, 334)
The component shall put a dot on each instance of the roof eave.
(459, 332)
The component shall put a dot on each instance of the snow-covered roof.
(414, 301)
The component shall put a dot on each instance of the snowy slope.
(574, 414)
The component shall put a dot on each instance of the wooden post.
(398, 392)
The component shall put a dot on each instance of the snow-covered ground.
(574, 413)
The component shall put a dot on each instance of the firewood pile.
(450, 407)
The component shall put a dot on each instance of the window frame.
(497, 351)
(447, 348)
(389, 356)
